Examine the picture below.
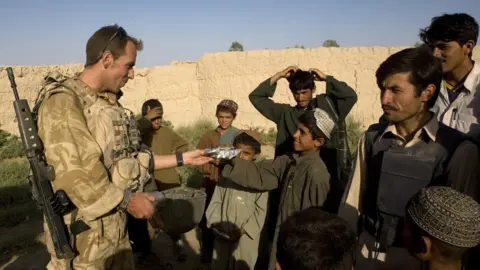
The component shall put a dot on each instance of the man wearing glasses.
(93, 144)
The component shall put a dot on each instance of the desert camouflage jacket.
(86, 140)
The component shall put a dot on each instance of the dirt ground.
(36, 257)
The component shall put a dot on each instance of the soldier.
(94, 147)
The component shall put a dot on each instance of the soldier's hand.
(196, 157)
(140, 205)
(154, 113)
(200, 161)
(318, 75)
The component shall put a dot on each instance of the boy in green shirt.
(338, 100)
(301, 176)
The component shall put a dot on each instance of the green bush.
(14, 186)
(192, 176)
(167, 123)
(354, 132)
(10, 146)
(192, 133)
(269, 137)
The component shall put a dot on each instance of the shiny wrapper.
(226, 153)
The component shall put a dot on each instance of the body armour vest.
(113, 127)
(396, 173)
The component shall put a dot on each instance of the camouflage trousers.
(105, 246)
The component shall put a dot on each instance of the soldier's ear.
(107, 59)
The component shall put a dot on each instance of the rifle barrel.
(11, 77)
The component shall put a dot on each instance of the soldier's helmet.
(181, 210)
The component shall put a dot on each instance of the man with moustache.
(398, 157)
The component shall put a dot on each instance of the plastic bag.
(226, 153)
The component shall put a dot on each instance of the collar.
(312, 155)
(157, 130)
(473, 78)
(430, 129)
(218, 128)
(85, 88)
(110, 97)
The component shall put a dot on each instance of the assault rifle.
(54, 204)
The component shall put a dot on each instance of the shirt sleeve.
(463, 170)
(343, 95)
(350, 207)
(76, 157)
(214, 210)
(179, 144)
(208, 170)
(262, 176)
(261, 100)
(144, 125)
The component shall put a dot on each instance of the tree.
(297, 46)
(236, 47)
(330, 43)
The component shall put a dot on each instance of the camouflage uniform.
(86, 140)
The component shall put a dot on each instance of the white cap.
(324, 122)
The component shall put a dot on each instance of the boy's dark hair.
(301, 80)
(226, 109)
(459, 27)
(423, 66)
(309, 120)
(152, 103)
(447, 251)
(245, 139)
(314, 239)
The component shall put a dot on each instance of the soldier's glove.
(61, 204)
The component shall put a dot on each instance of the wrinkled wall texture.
(191, 90)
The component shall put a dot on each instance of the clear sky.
(50, 32)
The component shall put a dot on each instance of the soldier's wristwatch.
(179, 158)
